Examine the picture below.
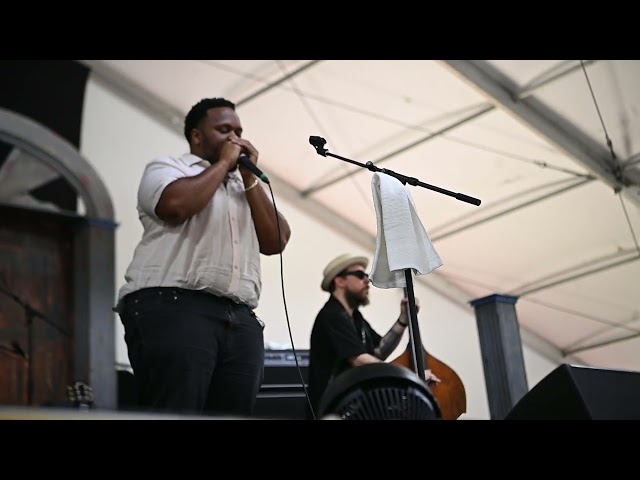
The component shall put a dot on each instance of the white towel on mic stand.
(402, 241)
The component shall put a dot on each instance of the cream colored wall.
(118, 140)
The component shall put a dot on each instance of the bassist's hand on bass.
(430, 377)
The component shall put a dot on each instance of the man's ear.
(195, 137)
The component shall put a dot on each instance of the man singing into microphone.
(193, 339)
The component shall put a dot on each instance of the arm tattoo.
(388, 343)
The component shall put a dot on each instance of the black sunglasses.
(356, 273)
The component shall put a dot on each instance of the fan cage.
(386, 402)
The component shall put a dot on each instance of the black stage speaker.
(573, 392)
(282, 395)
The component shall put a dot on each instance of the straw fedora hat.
(338, 264)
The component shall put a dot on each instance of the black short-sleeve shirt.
(335, 338)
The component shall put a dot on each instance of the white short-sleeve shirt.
(216, 250)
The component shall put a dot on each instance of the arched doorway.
(70, 255)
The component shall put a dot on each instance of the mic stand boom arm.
(414, 333)
(318, 143)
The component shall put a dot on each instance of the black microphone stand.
(30, 314)
(414, 332)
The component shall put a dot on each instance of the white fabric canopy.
(551, 148)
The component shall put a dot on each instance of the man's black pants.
(193, 352)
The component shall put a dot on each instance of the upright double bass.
(449, 393)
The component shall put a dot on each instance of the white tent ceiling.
(551, 148)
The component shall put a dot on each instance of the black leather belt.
(150, 292)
